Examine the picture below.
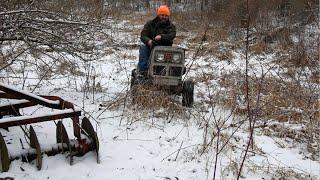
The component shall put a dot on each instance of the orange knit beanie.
(163, 10)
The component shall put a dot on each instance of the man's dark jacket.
(152, 28)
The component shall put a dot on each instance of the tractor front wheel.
(133, 78)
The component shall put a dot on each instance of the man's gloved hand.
(152, 43)
(157, 38)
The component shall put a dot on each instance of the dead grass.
(143, 99)
(149, 98)
(281, 101)
(139, 19)
(297, 135)
(259, 48)
(283, 174)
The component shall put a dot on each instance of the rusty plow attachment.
(85, 137)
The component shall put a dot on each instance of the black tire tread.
(187, 93)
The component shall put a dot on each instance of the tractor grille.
(162, 70)
(159, 70)
(175, 71)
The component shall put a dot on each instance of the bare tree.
(43, 28)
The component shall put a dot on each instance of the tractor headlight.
(160, 57)
(176, 58)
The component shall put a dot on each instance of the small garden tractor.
(166, 68)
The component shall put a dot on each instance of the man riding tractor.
(160, 64)
(158, 32)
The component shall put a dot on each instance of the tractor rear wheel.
(187, 93)
(133, 84)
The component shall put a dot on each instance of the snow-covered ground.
(145, 144)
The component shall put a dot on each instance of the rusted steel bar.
(23, 120)
(54, 102)
(62, 103)
(30, 97)
(13, 109)
(8, 96)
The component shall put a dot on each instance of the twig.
(175, 159)
(21, 143)
(179, 150)
(247, 92)
(216, 156)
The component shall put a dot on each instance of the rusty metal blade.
(63, 138)
(89, 130)
(61, 134)
(5, 159)
(34, 143)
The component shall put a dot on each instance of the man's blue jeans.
(144, 53)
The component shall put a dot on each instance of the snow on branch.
(24, 11)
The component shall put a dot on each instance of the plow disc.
(85, 140)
